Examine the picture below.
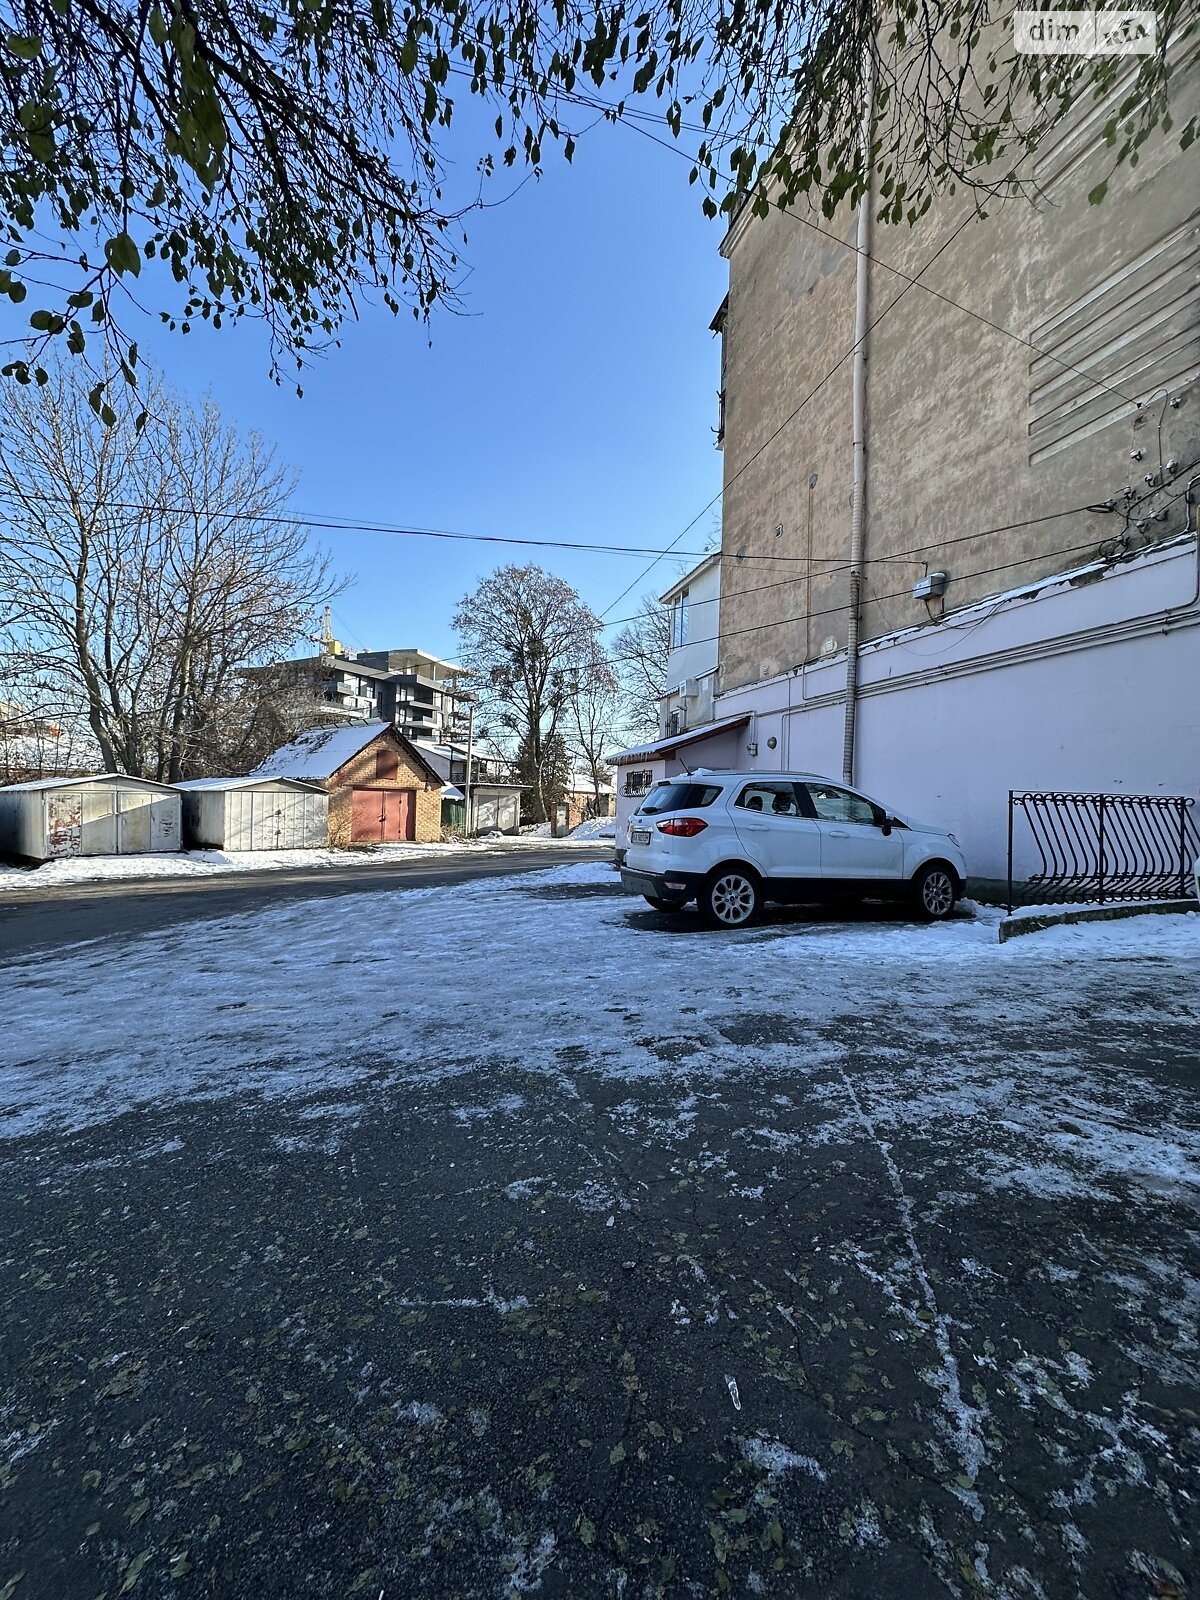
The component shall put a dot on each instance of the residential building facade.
(411, 690)
(1028, 421)
(693, 603)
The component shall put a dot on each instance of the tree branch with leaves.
(285, 158)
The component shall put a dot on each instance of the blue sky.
(575, 399)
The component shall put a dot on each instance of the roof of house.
(94, 777)
(252, 781)
(320, 752)
(665, 747)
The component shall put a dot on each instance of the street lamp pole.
(470, 742)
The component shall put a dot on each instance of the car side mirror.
(885, 826)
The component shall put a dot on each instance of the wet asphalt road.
(508, 1332)
(39, 919)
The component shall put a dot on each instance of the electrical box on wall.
(931, 587)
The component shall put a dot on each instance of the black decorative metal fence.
(1102, 847)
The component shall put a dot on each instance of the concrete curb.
(1013, 927)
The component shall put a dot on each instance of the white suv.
(732, 840)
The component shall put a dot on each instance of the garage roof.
(250, 782)
(320, 752)
(79, 782)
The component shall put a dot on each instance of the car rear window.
(679, 797)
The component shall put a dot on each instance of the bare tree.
(595, 714)
(526, 635)
(142, 570)
(640, 654)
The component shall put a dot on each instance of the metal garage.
(108, 815)
(254, 814)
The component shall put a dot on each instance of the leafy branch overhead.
(283, 158)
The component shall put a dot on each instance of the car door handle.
(838, 833)
(755, 827)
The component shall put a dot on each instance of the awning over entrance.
(681, 741)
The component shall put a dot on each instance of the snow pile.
(597, 828)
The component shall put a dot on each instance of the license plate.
(640, 836)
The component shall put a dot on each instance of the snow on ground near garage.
(298, 1000)
(904, 1212)
(211, 863)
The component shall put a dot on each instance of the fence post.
(1101, 862)
(1183, 847)
(1010, 837)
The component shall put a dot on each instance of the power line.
(901, 594)
(909, 557)
(348, 525)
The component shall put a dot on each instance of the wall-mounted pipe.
(859, 429)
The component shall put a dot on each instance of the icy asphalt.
(506, 1239)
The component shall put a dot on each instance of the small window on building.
(387, 763)
(679, 620)
(639, 782)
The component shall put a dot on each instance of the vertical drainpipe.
(859, 428)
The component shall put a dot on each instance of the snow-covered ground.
(874, 1235)
(596, 958)
(209, 863)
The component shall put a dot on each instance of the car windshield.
(679, 797)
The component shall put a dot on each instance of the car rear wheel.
(935, 890)
(659, 904)
(731, 898)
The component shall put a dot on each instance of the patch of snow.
(775, 1457)
(422, 1412)
(596, 828)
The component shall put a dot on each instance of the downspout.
(859, 427)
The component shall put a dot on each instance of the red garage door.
(382, 816)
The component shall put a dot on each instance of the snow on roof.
(78, 781)
(253, 781)
(680, 741)
(319, 752)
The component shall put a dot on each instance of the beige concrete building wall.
(968, 430)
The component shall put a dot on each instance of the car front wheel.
(730, 899)
(935, 891)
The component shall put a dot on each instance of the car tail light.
(683, 827)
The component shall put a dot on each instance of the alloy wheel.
(937, 894)
(733, 899)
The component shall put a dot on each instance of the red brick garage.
(382, 816)
(381, 788)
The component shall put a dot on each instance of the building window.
(679, 620)
(639, 782)
(387, 763)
